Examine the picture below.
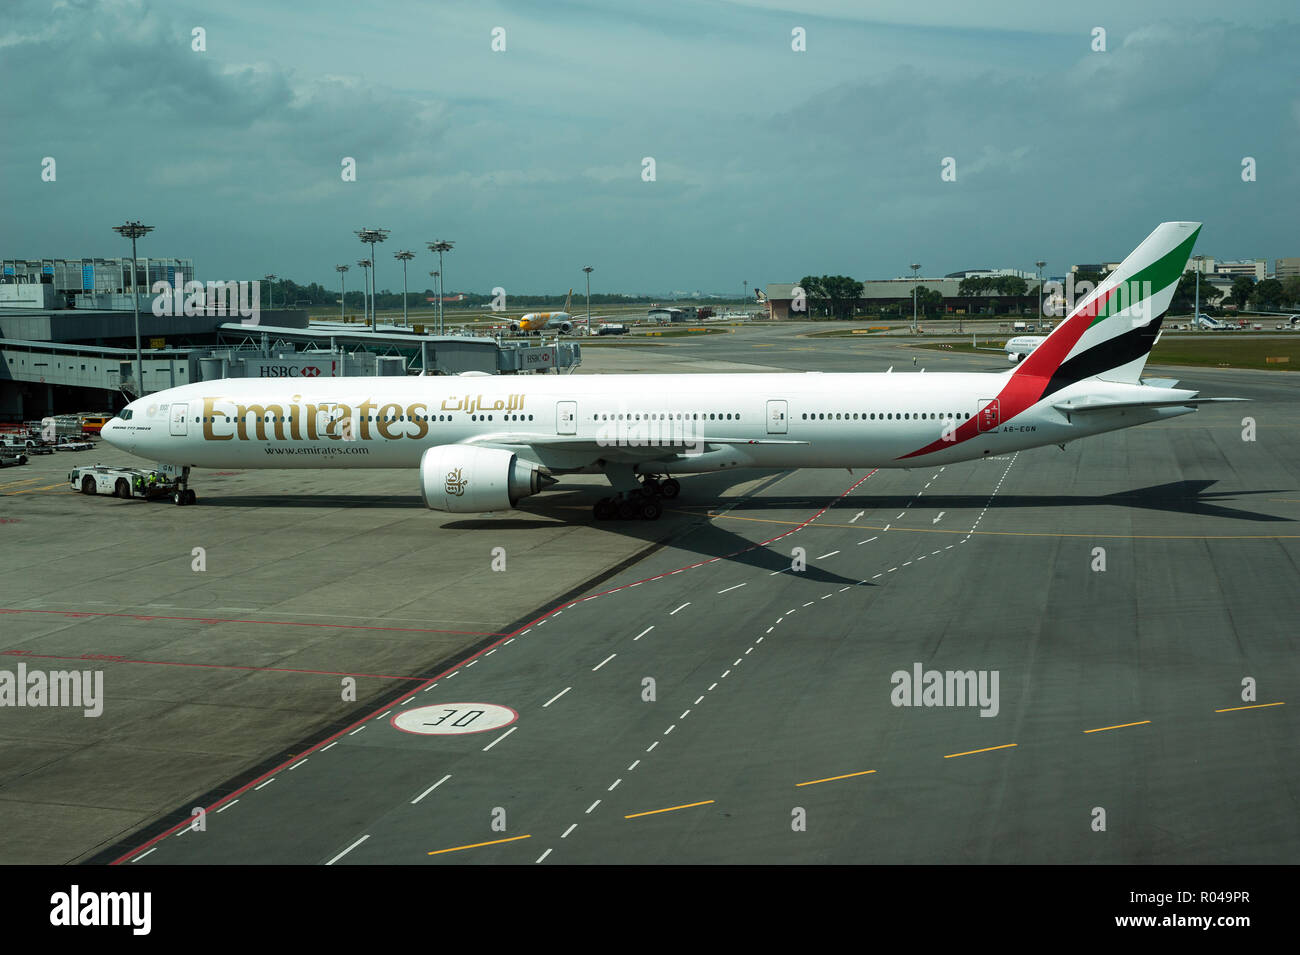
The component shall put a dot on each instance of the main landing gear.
(644, 502)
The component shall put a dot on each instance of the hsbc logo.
(287, 371)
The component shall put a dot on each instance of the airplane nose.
(107, 432)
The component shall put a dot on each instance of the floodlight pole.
(405, 256)
(440, 246)
(587, 269)
(372, 236)
(343, 287)
(134, 230)
(914, 266)
(1038, 319)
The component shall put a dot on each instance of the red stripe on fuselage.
(1031, 377)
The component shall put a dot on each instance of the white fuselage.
(813, 420)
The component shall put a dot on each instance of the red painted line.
(265, 623)
(504, 637)
(108, 658)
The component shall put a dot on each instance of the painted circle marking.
(454, 719)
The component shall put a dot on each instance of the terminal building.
(68, 341)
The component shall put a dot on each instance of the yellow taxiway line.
(830, 779)
(1118, 726)
(1256, 706)
(987, 749)
(494, 842)
(652, 812)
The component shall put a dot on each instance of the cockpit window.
(125, 415)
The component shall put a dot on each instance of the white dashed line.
(500, 738)
(698, 701)
(725, 674)
(729, 589)
(712, 687)
(297, 764)
(635, 764)
(670, 729)
(831, 554)
(383, 714)
(331, 745)
(603, 662)
(356, 731)
(267, 783)
(868, 540)
(612, 785)
(592, 806)
(143, 854)
(225, 807)
(556, 697)
(569, 830)
(642, 633)
(430, 789)
(348, 849)
(682, 607)
(652, 746)
(543, 856)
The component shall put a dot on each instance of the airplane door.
(776, 417)
(179, 417)
(566, 417)
(987, 416)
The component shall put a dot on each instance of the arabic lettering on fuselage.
(296, 420)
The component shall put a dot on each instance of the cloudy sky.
(769, 162)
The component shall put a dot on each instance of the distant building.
(1285, 268)
(1250, 267)
(666, 315)
(992, 273)
(86, 283)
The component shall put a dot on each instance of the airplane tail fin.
(1110, 333)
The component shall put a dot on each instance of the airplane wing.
(569, 451)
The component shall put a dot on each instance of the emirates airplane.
(481, 443)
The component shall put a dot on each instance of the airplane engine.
(514, 326)
(1014, 357)
(461, 479)
(565, 327)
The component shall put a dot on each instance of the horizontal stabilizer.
(1084, 405)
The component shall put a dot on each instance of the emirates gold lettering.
(335, 420)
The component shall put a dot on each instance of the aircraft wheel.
(604, 509)
(627, 509)
(178, 498)
(670, 488)
(121, 489)
(651, 510)
(191, 497)
(88, 485)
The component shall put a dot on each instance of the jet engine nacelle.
(1015, 357)
(462, 479)
(565, 327)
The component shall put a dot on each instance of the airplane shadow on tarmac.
(692, 530)
(1179, 497)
